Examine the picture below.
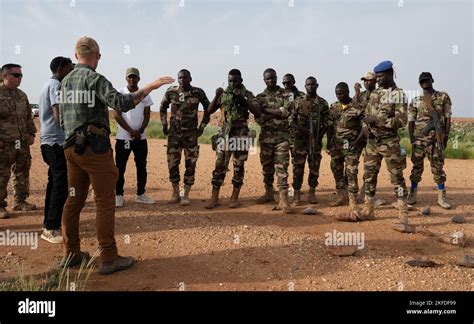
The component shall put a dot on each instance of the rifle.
(434, 124)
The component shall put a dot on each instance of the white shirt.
(133, 117)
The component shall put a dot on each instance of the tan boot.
(214, 198)
(185, 200)
(367, 212)
(234, 199)
(442, 202)
(312, 196)
(297, 197)
(284, 205)
(4, 213)
(341, 200)
(175, 198)
(411, 199)
(354, 212)
(267, 197)
(23, 205)
(402, 211)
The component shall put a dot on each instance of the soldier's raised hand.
(219, 92)
(357, 88)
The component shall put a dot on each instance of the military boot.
(284, 204)
(185, 199)
(267, 197)
(367, 212)
(341, 198)
(175, 198)
(23, 205)
(234, 199)
(312, 196)
(411, 199)
(297, 197)
(214, 202)
(442, 202)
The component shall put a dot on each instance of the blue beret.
(383, 66)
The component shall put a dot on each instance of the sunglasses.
(16, 75)
(286, 82)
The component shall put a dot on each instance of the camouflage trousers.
(299, 157)
(275, 158)
(176, 144)
(222, 164)
(15, 157)
(345, 167)
(389, 149)
(420, 149)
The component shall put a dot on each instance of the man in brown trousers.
(84, 100)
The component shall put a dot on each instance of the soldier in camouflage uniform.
(292, 94)
(302, 109)
(386, 113)
(363, 99)
(344, 144)
(419, 117)
(236, 102)
(17, 133)
(274, 139)
(183, 132)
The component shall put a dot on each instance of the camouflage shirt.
(85, 96)
(236, 115)
(301, 109)
(346, 122)
(292, 95)
(184, 107)
(274, 100)
(363, 99)
(390, 108)
(420, 114)
(16, 121)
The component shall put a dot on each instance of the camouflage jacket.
(420, 114)
(345, 122)
(390, 108)
(292, 95)
(274, 100)
(301, 110)
(16, 121)
(236, 114)
(85, 96)
(363, 99)
(184, 107)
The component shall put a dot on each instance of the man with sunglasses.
(17, 133)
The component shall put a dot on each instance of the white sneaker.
(118, 201)
(144, 199)
(52, 236)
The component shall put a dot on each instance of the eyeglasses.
(286, 82)
(16, 75)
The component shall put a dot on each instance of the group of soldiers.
(292, 123)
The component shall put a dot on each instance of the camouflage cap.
(368, 76)
(86, 45)
(132, 71)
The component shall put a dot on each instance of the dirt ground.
(253, 247)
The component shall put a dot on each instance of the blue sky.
(332, 40)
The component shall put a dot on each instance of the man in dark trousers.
(52, 139)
